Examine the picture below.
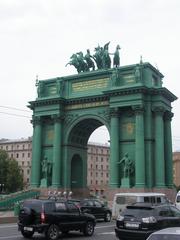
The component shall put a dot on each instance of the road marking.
(8, 225)
(106, 233)
(11, 237)
(106, 226)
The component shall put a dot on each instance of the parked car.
(52, 217)
(138, 221)
(121, 200)
(166, 234)
(96, 208)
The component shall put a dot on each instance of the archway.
(76, 172)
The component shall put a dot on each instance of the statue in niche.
(137, 73)
(46, 168)
(114, 78)
(60, 87)
(40, 88)
(128, 165)
(116, 59)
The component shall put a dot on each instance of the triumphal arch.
(129, 100)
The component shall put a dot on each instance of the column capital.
(114, 112)
(36, 120)
(138, 109)
(57, 117)
(158, 109)
(168, 115)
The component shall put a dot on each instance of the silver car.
(172, 233)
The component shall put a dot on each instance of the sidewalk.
(7, 217)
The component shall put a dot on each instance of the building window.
(6, 147)
(27, 171)
(96, 182)
(29, 155)
(101, 151)
(96, 174)
(102, 159)
(101, 167)
(107, 159)
(11, 155)
(107, 174)
(96, 166)
(91, 174)
(22, 163)
(17, 146)
(11, 147)
(17, 155)
(91, 166)
(23, 155)
(107, 167)
(102, 174)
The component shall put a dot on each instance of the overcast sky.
(37, 37)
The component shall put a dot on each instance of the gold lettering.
(90, 85)
(87, 105)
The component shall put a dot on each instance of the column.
(148, 145)
(168, 149)
(139, 147)
(114, 148)
(36, 152)
(159, 148)
(57, 152)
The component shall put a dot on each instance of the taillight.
(43, 218)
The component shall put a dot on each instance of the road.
(102, 231)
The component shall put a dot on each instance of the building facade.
(21, 151)
(97, 164)
(176, 168)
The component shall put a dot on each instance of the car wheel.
(89, 229)
(107, 217)
(52, 232)
(27, 234)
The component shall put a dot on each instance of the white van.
(177, 200)
(121, 200)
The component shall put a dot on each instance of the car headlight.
(149, 220)
(120, 218)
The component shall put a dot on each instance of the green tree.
(10, 173)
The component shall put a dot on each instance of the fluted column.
(57, 152)
(114, 148)
(139, 148)
(36, 152)
(159, 147)
(168, 149)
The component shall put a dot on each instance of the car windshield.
(164, 237)
(139, 212)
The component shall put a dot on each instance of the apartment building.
(97, 164)
(176, 168)
(21, 151)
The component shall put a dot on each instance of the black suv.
(97, 208)
(138, 221)
(51, 218)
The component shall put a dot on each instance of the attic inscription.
(87, 105)
(90, 85)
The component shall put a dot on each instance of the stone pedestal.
(125, 182)
(44, 182)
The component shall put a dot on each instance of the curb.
(8, 220)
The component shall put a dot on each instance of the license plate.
(28, 229)
(132, 225)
